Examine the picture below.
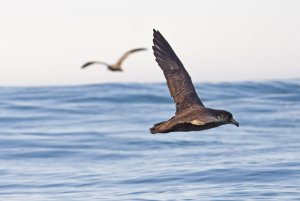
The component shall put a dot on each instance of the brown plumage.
(116, 66)
(191, 114)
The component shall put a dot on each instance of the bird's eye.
(221, 116)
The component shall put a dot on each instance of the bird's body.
(191, 114)
(116, 66)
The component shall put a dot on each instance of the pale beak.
(232, 121)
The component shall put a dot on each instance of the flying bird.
(191, 114)
(116, 66)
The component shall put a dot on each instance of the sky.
(46, 42)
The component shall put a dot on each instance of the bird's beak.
(232, 121)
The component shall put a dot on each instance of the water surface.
(92, 142)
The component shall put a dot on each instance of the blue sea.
(92, 142)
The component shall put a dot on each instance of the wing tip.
(156, 33)
(84, 65)
(137, 49)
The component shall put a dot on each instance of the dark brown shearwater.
(116, 66)
(191, 114)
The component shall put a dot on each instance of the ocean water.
(92, 142)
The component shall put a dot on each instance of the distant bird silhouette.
(116, 66)
(191, 114)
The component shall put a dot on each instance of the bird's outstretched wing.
(179, 82)
(126, 54)
(93, 62)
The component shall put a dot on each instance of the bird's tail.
(158, 128)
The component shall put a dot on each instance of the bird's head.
(225, 117)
